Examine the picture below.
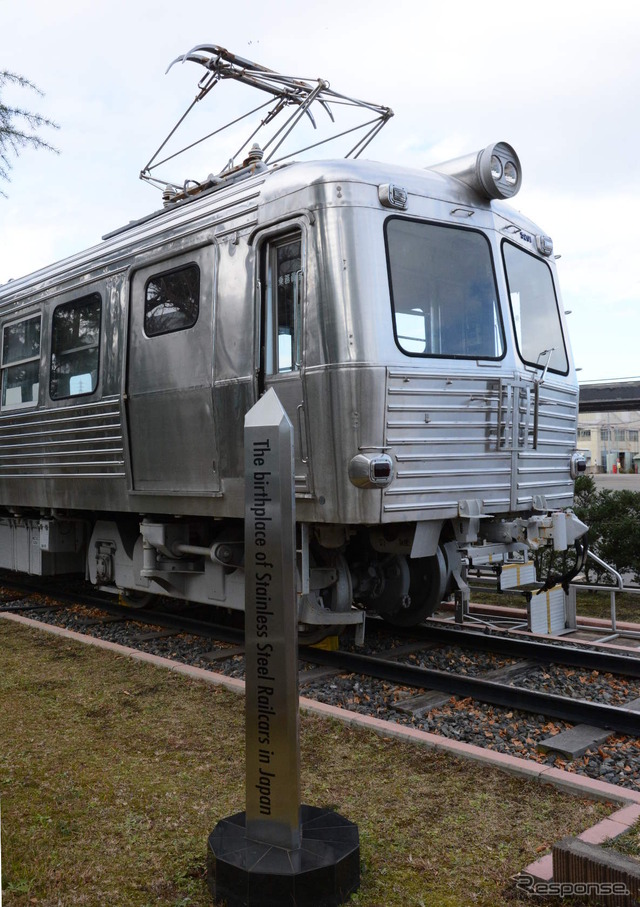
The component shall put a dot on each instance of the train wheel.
(337, 597)
(310, 635)
(427, 585)
(383, 584)
(132, 599)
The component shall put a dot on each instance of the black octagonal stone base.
(322, 873)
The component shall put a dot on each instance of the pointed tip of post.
(268, 411)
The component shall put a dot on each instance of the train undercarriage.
(401, 571)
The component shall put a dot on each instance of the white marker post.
(277, 851)
(271, 628)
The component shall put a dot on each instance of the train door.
(170, 375)
(282, 298)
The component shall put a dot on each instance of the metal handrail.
(619, 587)
(607, 567)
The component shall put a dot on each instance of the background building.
(609, 426)
(610, 440)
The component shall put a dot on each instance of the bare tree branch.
(18, 126)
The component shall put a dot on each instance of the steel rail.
(615, 718)
(575, 656)
(577, 711)
(169, 621)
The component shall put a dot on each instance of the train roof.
(256, 187)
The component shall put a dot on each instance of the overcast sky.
(558, 80)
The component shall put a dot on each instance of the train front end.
(457, 399)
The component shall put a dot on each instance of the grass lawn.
(627, 844)
(113, 773)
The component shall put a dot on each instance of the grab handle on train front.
(537, 383)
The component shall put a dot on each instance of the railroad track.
(615, 718)
(498, 690)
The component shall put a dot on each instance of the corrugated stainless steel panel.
(545, 470)
(456, 437)
(70, 441)
(443, 432)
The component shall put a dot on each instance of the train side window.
(283, 328)
(75, 347)
(21, 363)
(172, 301)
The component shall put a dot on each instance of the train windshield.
(534, 310)
(443, 291)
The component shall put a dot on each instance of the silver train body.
(412, 330)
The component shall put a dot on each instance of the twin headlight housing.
(494, 172)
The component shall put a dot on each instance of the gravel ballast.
(510, 731)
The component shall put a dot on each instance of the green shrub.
(613, 518)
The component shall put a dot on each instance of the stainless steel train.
(409, 321)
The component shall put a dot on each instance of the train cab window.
(75, 347)
(283, 328)
(534, 310)
(443, 291)
(172, 301)
(21, 363)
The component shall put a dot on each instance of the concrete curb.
(587, 868)
(542, 870)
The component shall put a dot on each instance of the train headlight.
(511, 174)
(578, 464)
(494, 172)
(371, 470)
